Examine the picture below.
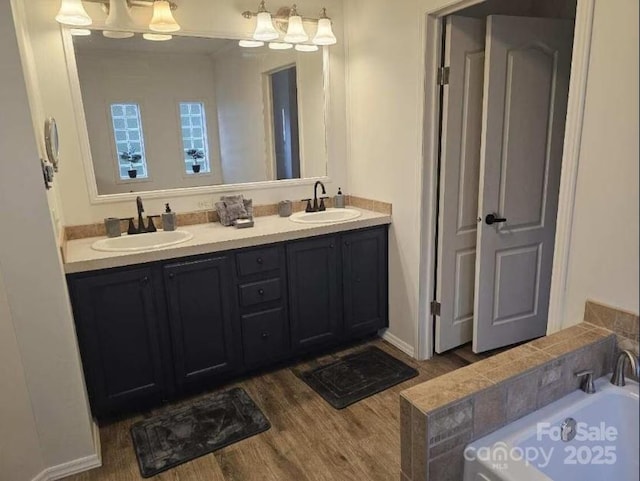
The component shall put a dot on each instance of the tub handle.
(587, 384)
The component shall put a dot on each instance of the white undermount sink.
(142, 242)
(328, 216)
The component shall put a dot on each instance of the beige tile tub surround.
(440, 417)
(74, 232)
(625, 324)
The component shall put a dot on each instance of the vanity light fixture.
(324, 35)
(291, 24)
(162, 20)
(80, 32)
(295, 29)
(119, 16)
(117, 34)
(157, 37)
(72, 13)
(265, 30)
(280, 46)
(250, 43)
(303, 47)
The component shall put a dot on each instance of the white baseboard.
(77, 465)
(397, 342)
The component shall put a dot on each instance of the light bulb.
(324, 35)
(306, 48)
(80, 32)
(280, 46)
(116, 34)
(73, 13)
(162, 19)
(156, 37)
(295, 31)
(119, 16)
(250, 43)
(265, 30)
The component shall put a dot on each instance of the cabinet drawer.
(264, 336)
(258, 292)
(258, 260)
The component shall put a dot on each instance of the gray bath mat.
(357, 376)
(188, 432)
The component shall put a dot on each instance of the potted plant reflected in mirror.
(196, 155)
(133, 158)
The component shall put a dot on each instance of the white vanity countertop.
(212, 237)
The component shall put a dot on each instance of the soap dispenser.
(338, 199)
(168, 219)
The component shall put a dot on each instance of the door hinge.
(443, 76)
(435, 308)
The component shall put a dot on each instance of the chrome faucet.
(617, 378)
(316, 207)
(587, 381)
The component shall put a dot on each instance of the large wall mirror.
(195, 112)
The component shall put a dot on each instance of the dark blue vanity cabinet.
(124, 353)
(199, 308)
(158, 331)
(314, 292)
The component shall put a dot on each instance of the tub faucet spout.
(617, 378)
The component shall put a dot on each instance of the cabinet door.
(200, 320)
(364, 281)
(313, 292)
(120, 340)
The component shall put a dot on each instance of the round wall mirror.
(51, 141)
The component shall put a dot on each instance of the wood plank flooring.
(308, 440)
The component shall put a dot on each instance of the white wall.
(204, 17)
(158, 82)
(20, 456)
(35, 288)
(604, 241)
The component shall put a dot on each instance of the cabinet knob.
(331, 246)
(259, 260)
(261, 292)
(347, 243)
(172, 276)
(145, 280)
(264, 335)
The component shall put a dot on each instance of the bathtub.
(605, 446)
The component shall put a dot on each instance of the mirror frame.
(85, 147)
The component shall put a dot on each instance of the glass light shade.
(324, 35)
(250, 43)
(295, 31)
(119, 16)
(265, 30)
(115, 34)
(156, 37)
(306, 48)
(162, 19)
(80, 32)
(280, 46)
(73, 13)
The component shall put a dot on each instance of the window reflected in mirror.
(196, 112)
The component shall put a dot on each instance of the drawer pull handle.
(259, 260)
(264, 335)
(261, 292)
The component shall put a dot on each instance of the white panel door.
(459, 178)
(526, 84)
